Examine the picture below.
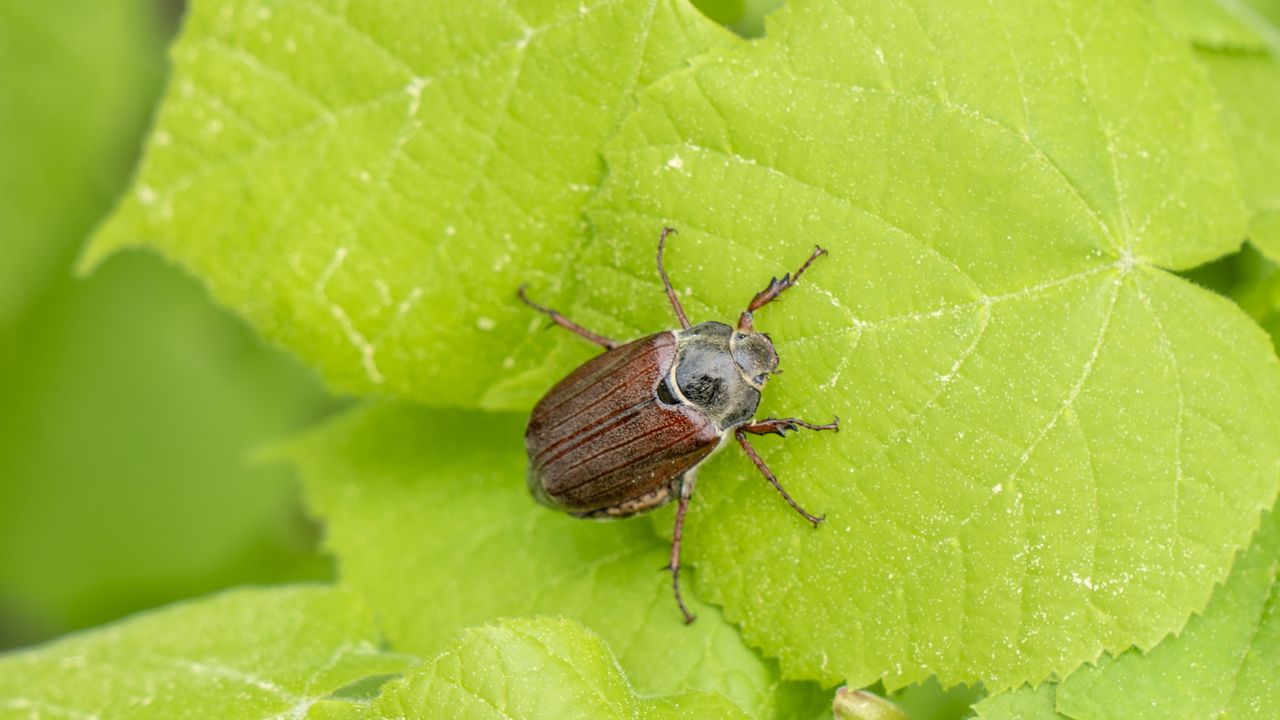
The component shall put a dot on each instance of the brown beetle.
(625, 432)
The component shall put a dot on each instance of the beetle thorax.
(721, 371)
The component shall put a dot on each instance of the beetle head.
(754, 354)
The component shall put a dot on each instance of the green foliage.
(245, 654)
(1053, 447)
(427, 523)
(1223, 664)
(311, 651)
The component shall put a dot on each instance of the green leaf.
(533, 669)
(244, 654)
(1222, 664)
(369, 184)
(1023, 704)
(131, 407)
(429, 516)
(929, 701)
(1052, 447)
(65, 61)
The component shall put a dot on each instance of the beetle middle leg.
(741, 435)
(686, 491)
(776, 286)
(780, 426)
(566, 323)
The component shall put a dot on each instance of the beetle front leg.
(686, 491)
(776, 286)
(779, 426)
(566, 323)
(741, 434)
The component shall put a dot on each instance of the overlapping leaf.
(431, 522)
(245, 654)
(369, 183)
(536, 669)
(1222, 665)
(1038, 461)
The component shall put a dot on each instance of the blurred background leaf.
(67, 62)
(131, 404)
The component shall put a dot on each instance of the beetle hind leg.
(566, 323)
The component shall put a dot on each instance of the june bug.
(625, 432)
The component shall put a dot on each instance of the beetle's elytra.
(625, 432)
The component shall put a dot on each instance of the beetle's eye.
(761, 378)
(741, 336)
(665, 395)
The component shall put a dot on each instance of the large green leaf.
(65, 61)
(1222, 665)
(369, 183)
(268, 653)
(431, 522)
(1052, 447)
(533, 669)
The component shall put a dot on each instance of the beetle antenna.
(666, 283)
